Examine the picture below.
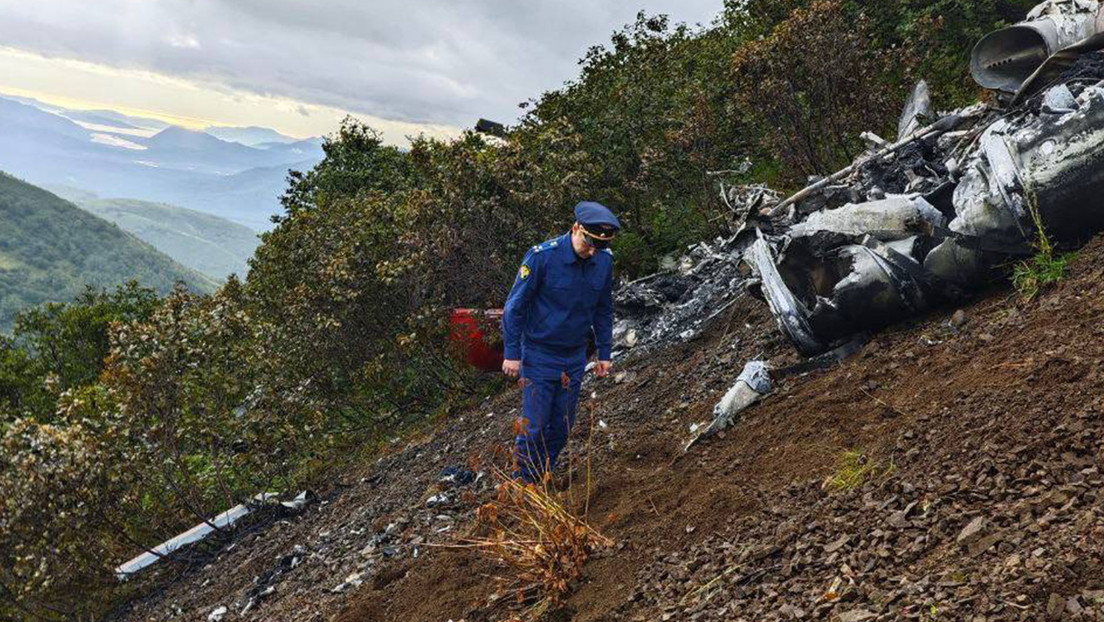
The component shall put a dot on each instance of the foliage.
(71, 340)
(807, 111)
(1031, 276)
(50, 250)
(18, 386)
(57, 347)
(1047, 266)
(53, 532)
(651, 114)
(356, 161)
(936, 38)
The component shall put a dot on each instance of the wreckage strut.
(945, 124)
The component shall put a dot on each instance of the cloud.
(184, 41)
(431, 61)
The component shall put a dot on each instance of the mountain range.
(50, 250)
(237, 173)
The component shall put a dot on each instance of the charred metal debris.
(922, 219)
(925, 218)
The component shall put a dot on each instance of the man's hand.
(602, 368)
(511, 368)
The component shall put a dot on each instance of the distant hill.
(50, 249)
(214, 246)
(114, 119)
(177, 166)
(252, 135)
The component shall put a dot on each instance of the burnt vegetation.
(126, 417)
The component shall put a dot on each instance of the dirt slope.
(986, 443)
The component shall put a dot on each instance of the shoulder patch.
(523, 273)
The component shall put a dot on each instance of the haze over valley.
(237, 173)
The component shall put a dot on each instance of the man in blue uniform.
(563, 293)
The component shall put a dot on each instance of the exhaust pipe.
(1005, 58)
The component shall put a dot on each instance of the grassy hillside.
(212, 245)
(50, 249)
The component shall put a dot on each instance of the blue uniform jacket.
(558, 298)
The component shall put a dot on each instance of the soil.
(981, 441)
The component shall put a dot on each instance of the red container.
(477, 334)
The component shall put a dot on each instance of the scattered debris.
(193, 535)
(299, 502)
(456, 476)
(675, 305)
(929, 218)
(438, 500)
(753, 383)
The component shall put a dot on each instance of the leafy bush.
(813, 86)
(50, 250)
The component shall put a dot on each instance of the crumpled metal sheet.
(893, 218)
(845, 270)
(918, 109)
(757, 376)
(792, 316)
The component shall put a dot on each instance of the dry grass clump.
(533, 532)
(537, 534)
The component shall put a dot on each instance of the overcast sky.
(403, 65)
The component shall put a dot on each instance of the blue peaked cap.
(595, 216)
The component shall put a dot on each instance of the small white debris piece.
(753, 383)
(298, 503)
(631, 338)
(217, 614)
(602, 425)
(354, 580)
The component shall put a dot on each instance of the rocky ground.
(966, 449)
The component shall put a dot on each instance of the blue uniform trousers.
(548, 407)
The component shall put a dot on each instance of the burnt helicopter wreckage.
(923, 219)
(929, 217)
(911, 223)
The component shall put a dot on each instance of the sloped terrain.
(50, 250)
(209, 244)
(976, 497)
